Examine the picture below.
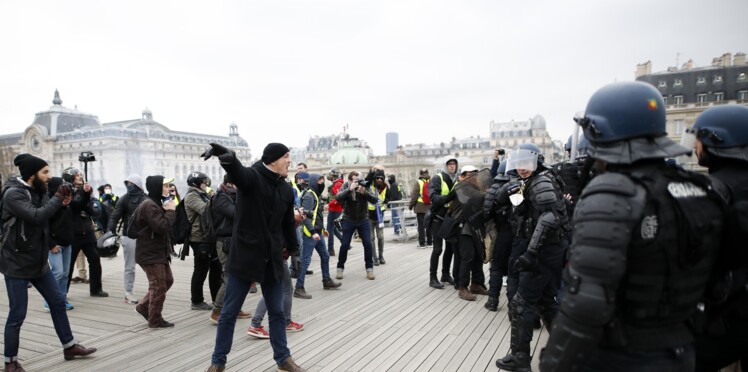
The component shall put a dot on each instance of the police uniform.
(496, 208)
(645, 240)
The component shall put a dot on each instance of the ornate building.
(143, 146)
(510, 134)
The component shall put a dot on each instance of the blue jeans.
(310, 245)
(236, 291)
(60, 264)
(334, 233)
(364, 233)
(261, 309)
(396, 223)
(18, 301)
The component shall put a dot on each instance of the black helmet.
(723, 130)
(196, 178)
(622, 111)
(107, 245)
(534, 148)
(69, 174)
(625, 123)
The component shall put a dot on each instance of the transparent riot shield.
(470, 193)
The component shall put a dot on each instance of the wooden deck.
(394, 323)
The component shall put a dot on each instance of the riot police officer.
(496, 211)
(539, 222)
(645, 239)
(721, 144)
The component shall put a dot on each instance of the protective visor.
(522, 159)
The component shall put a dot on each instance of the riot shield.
(470, 193)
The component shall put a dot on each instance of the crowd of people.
(631, 262)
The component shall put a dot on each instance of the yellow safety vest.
(381, 198)
(445, 189)
(420, 190)
(314, 215)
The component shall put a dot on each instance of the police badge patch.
(649, 227)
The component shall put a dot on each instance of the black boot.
(433, 283)
(518, 358)
(519, 362)
(492, 304)
(446, 278)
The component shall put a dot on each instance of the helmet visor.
(522, 159)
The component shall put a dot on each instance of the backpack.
(425, 193)
(180, 231)
(207, 219)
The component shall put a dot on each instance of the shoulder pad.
(614, 183)
(543, 190)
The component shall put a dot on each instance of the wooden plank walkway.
(394, 323)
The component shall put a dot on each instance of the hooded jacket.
(263, 221)
(310, 202)
(153, 245)
(25, 253)
(125, 207)
(195, 203)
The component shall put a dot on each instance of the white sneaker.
(130, 298)
(339, 275)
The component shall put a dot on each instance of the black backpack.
(180, 231)
(207, 221)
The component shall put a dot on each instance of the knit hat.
(423, 173)
(274, 151)
(135, 180)
(28, 165)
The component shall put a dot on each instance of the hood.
(53, 185)
(391, 179)
(135, 179)
(154, 185)
(11, 182)
(313, 179)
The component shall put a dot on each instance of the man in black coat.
(263, 225)
(26, 242)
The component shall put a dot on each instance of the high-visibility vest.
(421, 183)
(382, 195)
(445, 188)
(314, 215)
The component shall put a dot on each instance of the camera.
(501, 151)
(362, 183)
(86, 156)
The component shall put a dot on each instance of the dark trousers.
(364, 233)
(334, 233)
(18, 302)
(670, 360)
(424, 232)
(88, 246)
(470, 263)
(160, 280)
(715, 351)
(502, 248)
(437, 251)
(206, 262)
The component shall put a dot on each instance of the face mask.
(107, 191)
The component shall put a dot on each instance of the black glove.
(513, 189)
(526, 262)
(64, 191)
(222, 153)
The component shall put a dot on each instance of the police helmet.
(107, 245)
(582, 146)
(723, 130)
(335, 172)
(622, 111)
(68, 175)
(196, 178)
(525, 156)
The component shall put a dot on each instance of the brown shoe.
(215, 368)
(477, 289)
(244, 315)
(214, 315)
(77, 350)
(13, 366)
(290, 366)
(466, 295)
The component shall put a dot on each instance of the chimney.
(716, 62)
(726, 59)
(643, 69)
(739, 59)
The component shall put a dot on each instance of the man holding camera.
(355, 200)
(83, 210)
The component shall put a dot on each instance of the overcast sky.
(287, 70)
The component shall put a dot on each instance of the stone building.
(509, 134)
(688, 90)
(143, 146)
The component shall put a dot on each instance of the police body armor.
(537, 191)
(644, 246)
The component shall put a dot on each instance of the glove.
(526, 262)
(295, 266)
(513, 189)
(64, 191)
(222, 153)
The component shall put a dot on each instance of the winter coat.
(84, 212)
(153, 245)
(223, 211)
(356, 210)
(309, 202)
(415, 193)
(334, 206)
(124, 208)
(25, 253)
(263, 221)
(195, 202)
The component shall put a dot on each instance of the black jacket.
(309, 202)
(124, 208)
(355, 210)
(223, 211)
(153, 245)
(19, 257)
(60, 226)
(83, 211)
(263, 222)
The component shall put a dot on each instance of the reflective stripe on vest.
(314, 215)
(381, 198)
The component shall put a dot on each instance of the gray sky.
(285, 70)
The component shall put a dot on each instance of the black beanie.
(274, 151)
(28, 165)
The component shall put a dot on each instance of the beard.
(39, 186)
